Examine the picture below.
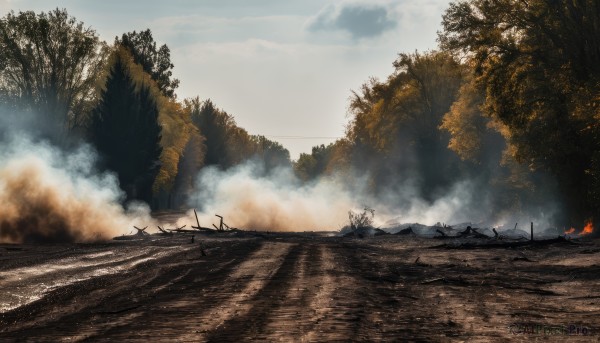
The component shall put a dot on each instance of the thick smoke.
(48, 195)
(471, 201)
(250, 198)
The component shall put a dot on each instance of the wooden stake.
(197, 221)
(220, 223)
(532, 231)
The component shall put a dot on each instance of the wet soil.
(297, 288)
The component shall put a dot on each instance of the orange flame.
(588, 228)
(570, 231)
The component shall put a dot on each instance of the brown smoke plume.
(49, 196)
(274, 202)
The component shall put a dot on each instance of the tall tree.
(156, 62)
(395, 123)
(214, 126)
(228, 145)
(126, 131)
(49, 63)
(310, 166)
(271, 153)
(539, 63)
(183, 152)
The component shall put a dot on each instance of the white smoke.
(248, 198)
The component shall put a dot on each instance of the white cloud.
(5, 7)
(195, 28)
(258, 60)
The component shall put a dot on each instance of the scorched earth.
(305, 287)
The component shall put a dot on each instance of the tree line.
(510, 98)
(121, 97)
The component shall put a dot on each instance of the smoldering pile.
(468, 235)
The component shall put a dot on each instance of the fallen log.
(141, 234)
(164, 232)
(187, 231)
(198, 227)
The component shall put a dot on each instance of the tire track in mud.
(313, 290)
(201, 300)
(22, 286)
(117, 303)
(259, 306)
(244, 284)
(298, 303)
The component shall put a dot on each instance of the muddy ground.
(298, 287)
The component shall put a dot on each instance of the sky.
(284, 69)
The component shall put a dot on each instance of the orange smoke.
(40, 202)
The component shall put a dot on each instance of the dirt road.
(300, 288)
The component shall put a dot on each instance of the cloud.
(360, 20)
(4, 7)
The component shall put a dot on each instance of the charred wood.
(505, 244)
(407, 231)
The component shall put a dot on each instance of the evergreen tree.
(155, 61)
(127, 133)
(213, 125)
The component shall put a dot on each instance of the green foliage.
(228, 145)
(309, 167)
(539, 63)
(49, 63)
(178, 133)
(156, 62)
(214, 126)
(126, 130)
(188, 167)
(394, 129)
(466, 123)
(271, 153)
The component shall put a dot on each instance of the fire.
(588, 228)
